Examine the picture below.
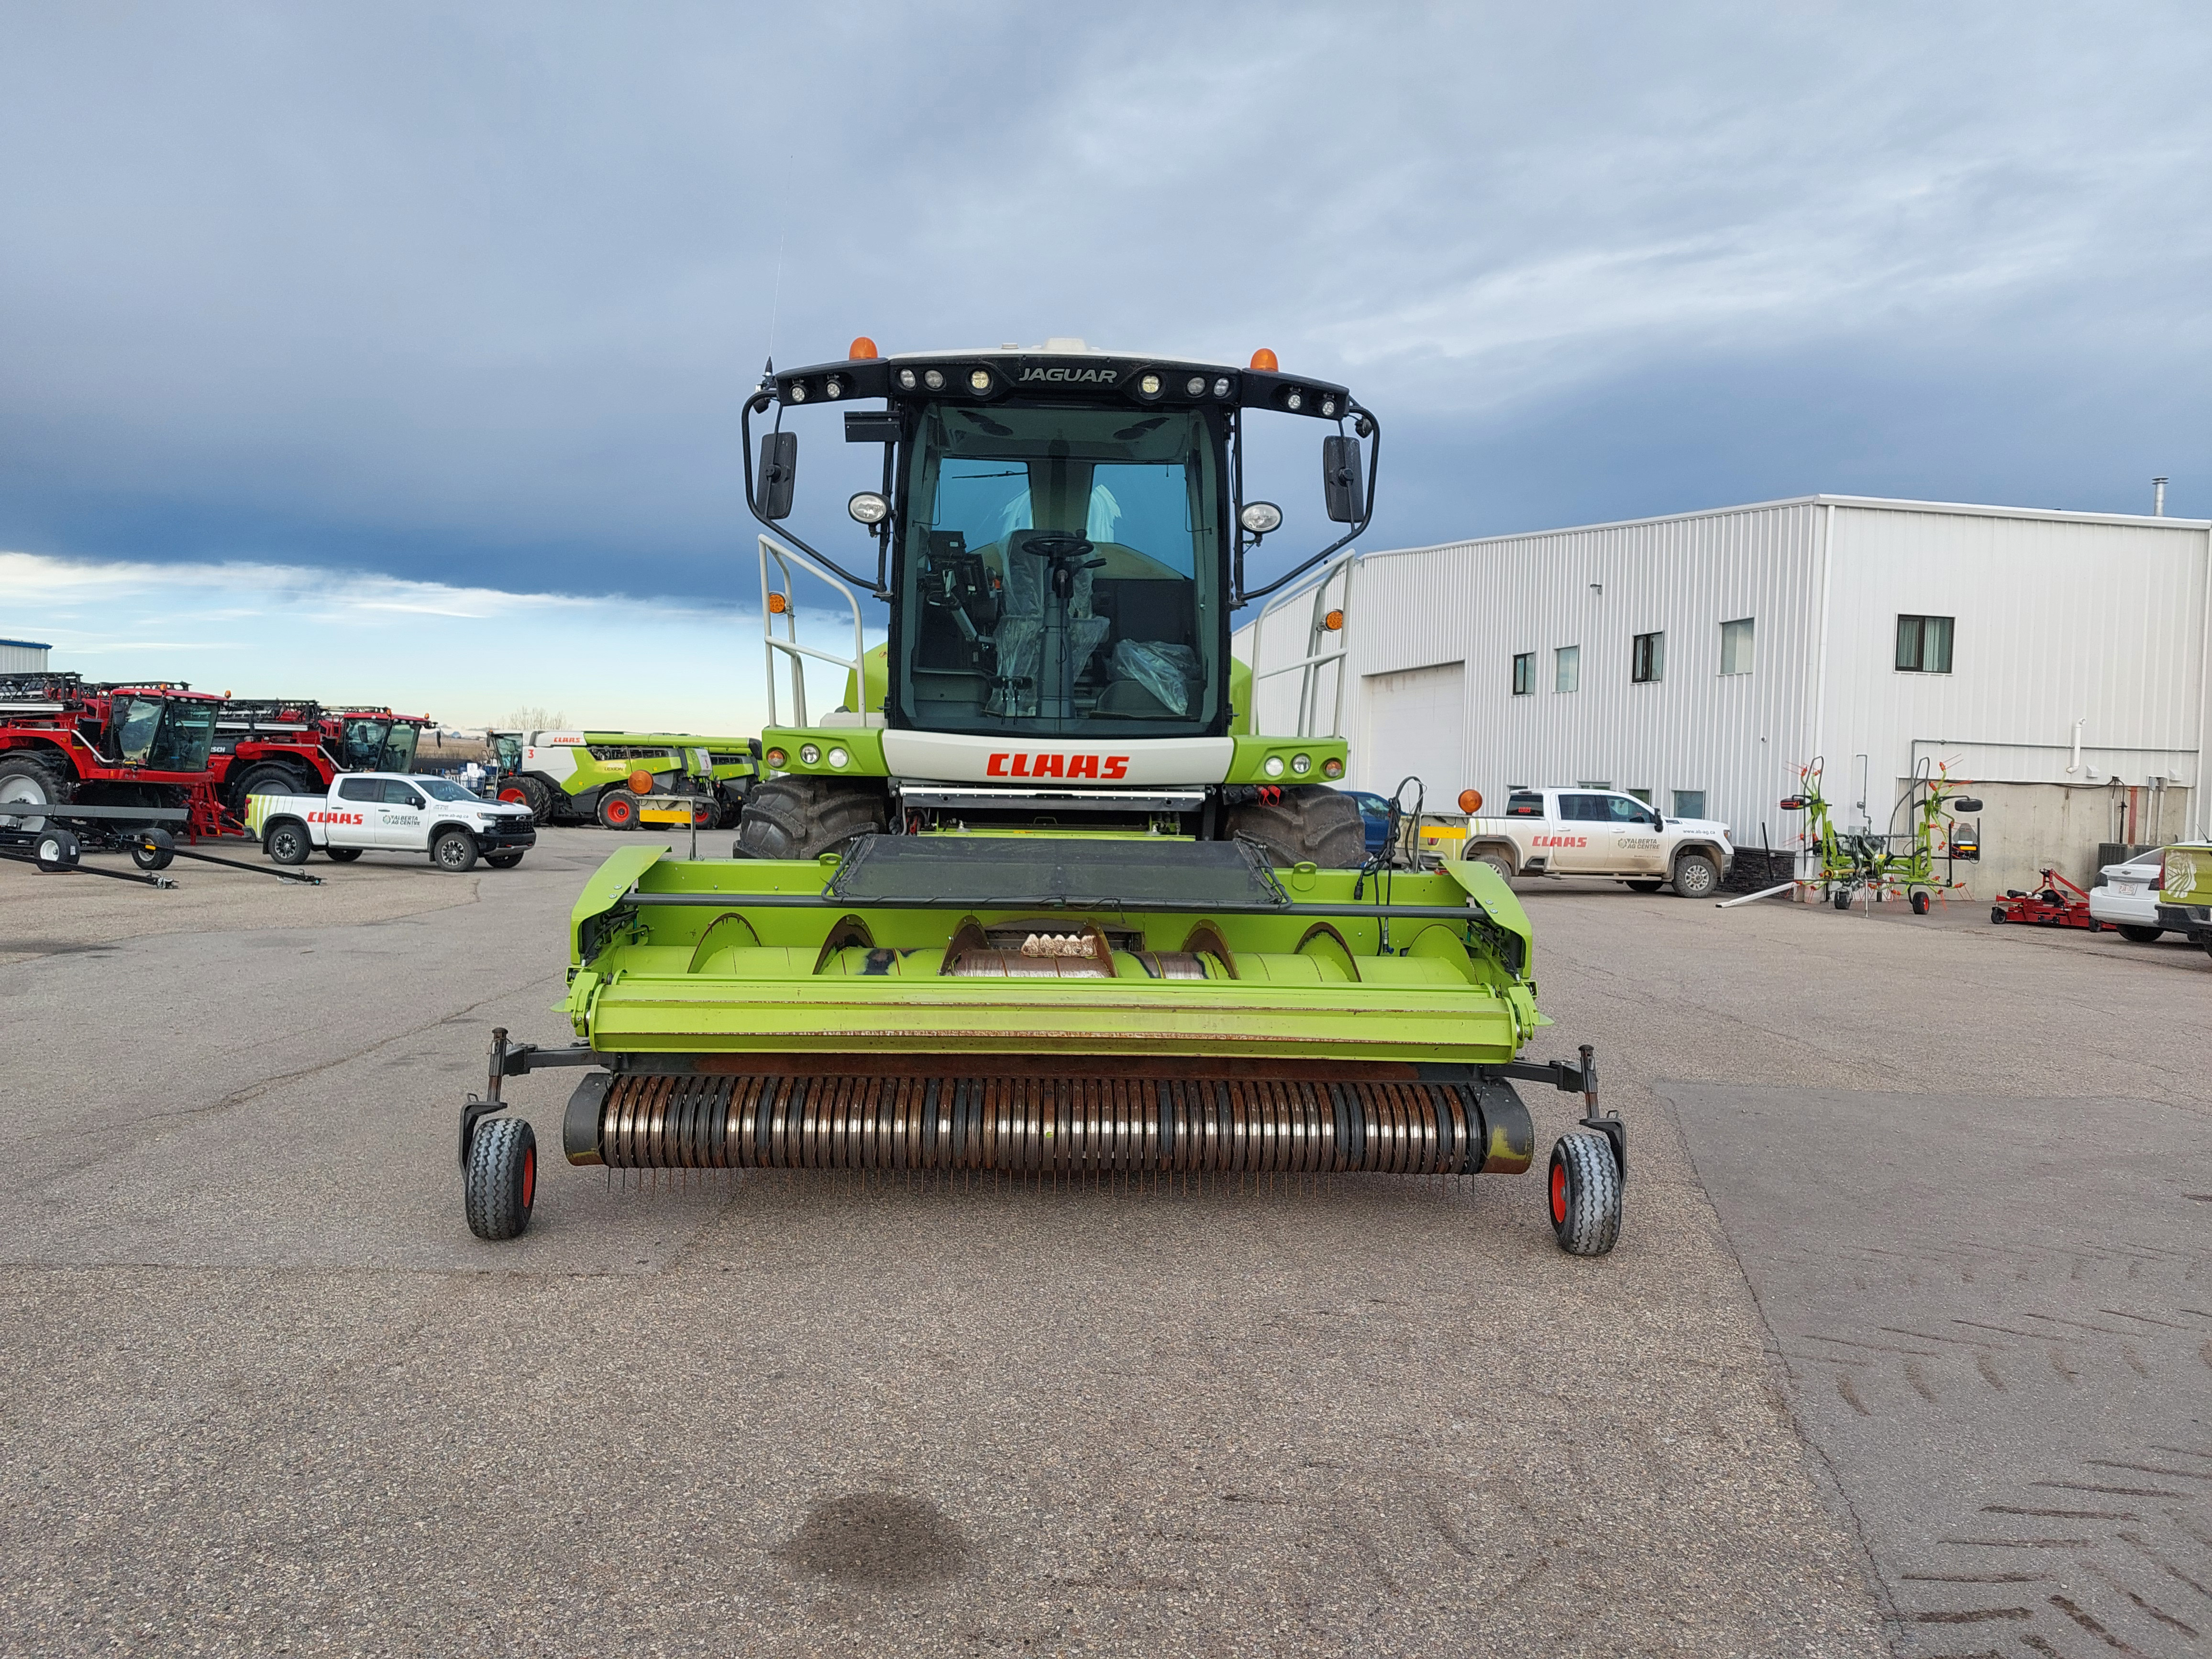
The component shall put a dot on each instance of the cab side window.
(397, 793)
(1524, 805)
(1584, 809)
(367, 789)
(1626, 810)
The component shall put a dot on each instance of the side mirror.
(779, 474)
(1339, 479)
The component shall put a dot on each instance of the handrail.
(1317, 631)
(793, 652)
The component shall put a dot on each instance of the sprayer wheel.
(502, 1180)
(801, 818)
(1310, 823)
(1585, 1194)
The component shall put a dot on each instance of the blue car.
(1374, 818)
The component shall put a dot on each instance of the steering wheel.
(1057, 545)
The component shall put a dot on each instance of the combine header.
(1038, 901)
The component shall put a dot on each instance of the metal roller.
(1034, 1125)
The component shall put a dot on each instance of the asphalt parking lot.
(1908, 1346)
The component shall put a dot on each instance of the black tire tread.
(494, 1189)
(1686, 861)
(2140, 932)
(798, 817)
(1311, 824)
(466, 865)
(53, 773)
(1593, 1195)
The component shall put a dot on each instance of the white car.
(2127, 898)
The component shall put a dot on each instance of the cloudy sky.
(308, 310)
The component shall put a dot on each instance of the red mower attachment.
(2049, 905)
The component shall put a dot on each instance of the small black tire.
(1696, 875)
(56, 849)
(1920, 904)
(1645, 886)
(454, 851)
(343, 855)
(153, 849)
(502, 1178)
(1842, 899)
(2140, 933)
(502, 861)
(1997, 916)
(1584, 1190)
(287, 843)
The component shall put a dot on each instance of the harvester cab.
(1037, 903)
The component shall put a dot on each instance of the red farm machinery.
(295, 746)
(144, 746)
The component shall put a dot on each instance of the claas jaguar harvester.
(1037, 903)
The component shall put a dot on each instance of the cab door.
(1636, 845)
(401, 825)
(1584, 839)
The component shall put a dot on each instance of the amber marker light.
(775, 758)
(640, 782)
(1333, 621)
(864, 349)
(1264, 360)
(777, 604)
(1470, 801)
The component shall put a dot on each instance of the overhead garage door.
(1414, 724)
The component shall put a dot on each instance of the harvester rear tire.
(343, 855)
(1584, 1190)
(502, 1180)
(618, 808)
(794, 817)
(454, 851)
(1311, 824)
(27, 778)
(2137, 934)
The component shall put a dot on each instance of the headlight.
(868, 508)
(839, 757)
(1149, 384)
(1296, 400)
(1273, 768)
(835, 387)
(1221, 387)
(1301, 764)
(809, 754)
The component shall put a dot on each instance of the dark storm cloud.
(473, 292)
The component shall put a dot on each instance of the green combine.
(1035, 901)
(582, 777)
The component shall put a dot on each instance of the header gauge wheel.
(1585, 1194)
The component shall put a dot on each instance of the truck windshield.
(1061, 573)
(442, 789)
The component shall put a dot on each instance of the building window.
(1923, 645)
(1643, 795)
(1524, 673)
(1690, 802)
(1593, 783)
(1567, 668)
(1736, 646)
(1647, 660)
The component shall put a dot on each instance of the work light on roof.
(906, 380)
(1261, 517)
(1194, 385)
(933, 379)
(835, 387)
(980, 380)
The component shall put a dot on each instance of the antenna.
(782, 235)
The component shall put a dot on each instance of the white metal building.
(23, 657)
(2056, 660)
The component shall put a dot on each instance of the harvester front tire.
(502, 1181)
(1696, 875)
(1310, 823)
(287, 843)
(454, 851)
(343, 855)
(1584, 1190)
(794, 818)
(2137, 934)
(29, 779)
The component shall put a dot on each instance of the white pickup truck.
(392, 812)
(1602, 832)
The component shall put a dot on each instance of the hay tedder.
(1890, 863)
(1037, 904)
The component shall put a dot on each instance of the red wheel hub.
(618, 810)
(529, 1177)
(1559, 1194)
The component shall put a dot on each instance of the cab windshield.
(508, 752)
(399, 748)
(166, 735)
(363, 746)
(1061, 573)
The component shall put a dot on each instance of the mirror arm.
(1245, 595)
(758, 404)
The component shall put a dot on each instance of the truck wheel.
(795, 818)
(502, 1181)
(30, 780)
(153, 849)
(2135, 933)
(454, 851)
(1645, 886)
(1311, 823)
(1498, 861)
(502, 861)
(343, 854)
(1585, 1194)
(618, 809)
(1696, 875)
(287, 843)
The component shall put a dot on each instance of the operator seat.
(1019, 636)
